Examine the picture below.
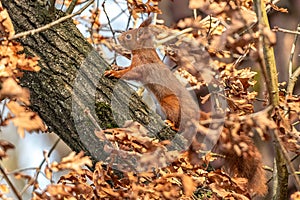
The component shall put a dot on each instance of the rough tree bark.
(70, 65)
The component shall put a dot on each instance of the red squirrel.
(176, 102)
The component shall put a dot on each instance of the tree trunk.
(70, 92)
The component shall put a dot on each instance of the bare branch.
(52, 6)
(71, 7)
(287, 159)
(276, 28)
(268, 66)
(43, 28)
(266, 54)
(108, 22)
(38, 170)
(14, 189)
(292, 81)
(293, 52)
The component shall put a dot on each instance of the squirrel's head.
(139, 38)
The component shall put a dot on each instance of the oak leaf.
(24, 119)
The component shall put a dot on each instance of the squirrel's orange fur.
(176, 102)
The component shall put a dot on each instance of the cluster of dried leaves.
(13, 63)
(179, 180)
(208, 54)
(211, 53)
(136, 7)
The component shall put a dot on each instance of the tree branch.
(287, 159)
(292, 81)
(293, 52)
(14, 189)
(47, 26)
(267, 61)
(266, 54)
(72, 6)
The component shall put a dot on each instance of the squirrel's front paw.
(112, 74)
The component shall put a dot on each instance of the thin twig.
(2, 110)
(112, 20)
(154, 18)
(128, 22)
(62, 5)
(14, 189)
(274, 2)
(211, 153)
(293, 52)
(269, 180)
(40, 167)
(88, 114)
(173, 36)
(195, 13)
(268, 9)
(287, 160)
(240, 118)
(295, 123)
(52, 6)
(21, 170)
(292, 81)
(294, 158)
(276, 28)
(210, 25)
(93, 120)
(262, 100)
(242, 57)
(93, 20)
(71, 7)
(108, 21)
(43, 28)
(123, 11)
(267, 168)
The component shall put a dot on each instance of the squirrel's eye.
(128, 36)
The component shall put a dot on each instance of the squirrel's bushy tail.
(242, 159)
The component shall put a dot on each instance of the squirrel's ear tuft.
(147, 22)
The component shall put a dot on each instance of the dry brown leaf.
(10, 89)
(24, 119)
(188, 184)
(28, 64)
(72, 162)
(6, 26)
(12, 61)
(4, 189)
(138, 6)
(4, 146)
(295, 196)
(28, 178)
(283, 10)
